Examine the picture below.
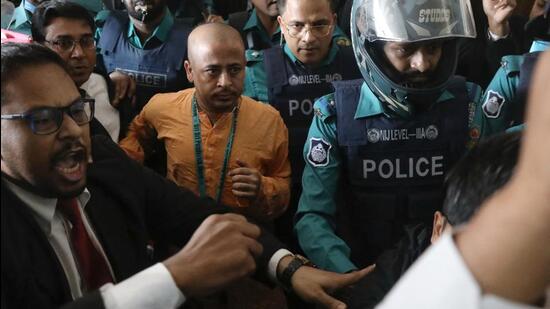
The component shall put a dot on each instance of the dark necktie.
(92, 265)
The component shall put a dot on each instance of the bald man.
(220, 144)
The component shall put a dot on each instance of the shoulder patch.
(342, 41)
(324, 107)
(254, 55)
(511, 64)
(319, 152)
(493, 104)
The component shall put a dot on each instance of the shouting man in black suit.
(77, 215)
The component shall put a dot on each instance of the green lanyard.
(198, 151)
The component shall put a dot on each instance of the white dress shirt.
(104, 112)
(441, 279)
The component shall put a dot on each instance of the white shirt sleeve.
(154, 288)
(493, 37)
(274, 262)
(151, 288)
(441, 279)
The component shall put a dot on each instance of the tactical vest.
(393, 169)
(155, 70)
(525, 73)
(293, 89)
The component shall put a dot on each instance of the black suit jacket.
(129, 206)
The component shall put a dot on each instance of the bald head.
(216, 66)
(213, 35)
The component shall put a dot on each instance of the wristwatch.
(296, 262)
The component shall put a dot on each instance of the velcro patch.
(493, 104)
(319, 152)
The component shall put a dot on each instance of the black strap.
(275, 68)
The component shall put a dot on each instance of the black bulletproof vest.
(292, 90)
(393, 169)
(155, 70)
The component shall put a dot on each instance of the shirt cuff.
(151, 288)
(493, 37)
(440, 266)
(274, 262)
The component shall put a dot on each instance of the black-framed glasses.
(297, 30)
(47, 120)
(67, 44)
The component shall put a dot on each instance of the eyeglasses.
(48, 120)
(68, 44)
(297, 30)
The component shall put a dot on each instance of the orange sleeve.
(141, 136)
(275, 188)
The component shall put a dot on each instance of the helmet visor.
(412, 20)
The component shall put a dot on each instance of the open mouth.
(71, 164)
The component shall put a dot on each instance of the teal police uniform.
(317, 229)
(284, 82)
(253, 33)
(21, 18)
(22, 15)
(158, 36)
(256, 80)
(504, 99)
(156, 63)
(378, 148)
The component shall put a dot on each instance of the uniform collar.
(369, 105)
(327, 61)
(20, 17)
(42, 208)
(253, 22)
(29, 6)
(161, 32)
(539, 46)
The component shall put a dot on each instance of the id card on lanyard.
(197, 141)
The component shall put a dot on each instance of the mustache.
(311, 46)
(74, 147)
(416, 76)
(226, 91)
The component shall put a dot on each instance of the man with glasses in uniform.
(292, 76)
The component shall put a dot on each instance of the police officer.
(21, 18)
(147, 43)
(507, 93)
(258, 27)
(379, 147)
(293, 76)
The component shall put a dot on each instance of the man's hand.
(220, 251)
(315, 285)
(247, 181)
(125, 86)
(498, 12)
